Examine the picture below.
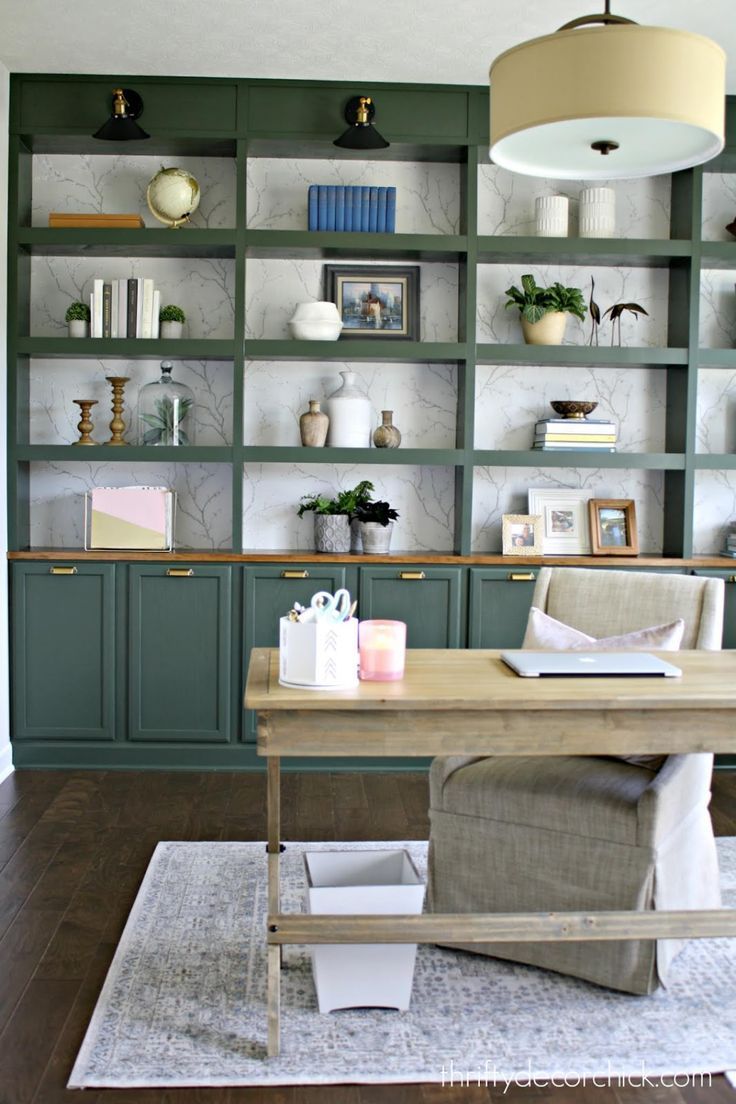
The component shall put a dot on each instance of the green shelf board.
(631, 252)
(320, 243)
(537, 458)
(296, 145)
(715, 461)
(721, 254)
(108, 242)
(593, 357)
(182, 144)
(105, 348)
(150, 454)
(372, 349)
(271, 454)
(717, 358)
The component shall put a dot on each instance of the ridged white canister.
(597, 213)
(551, 216)
(351, 415)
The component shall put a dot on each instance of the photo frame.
(375, 301)
(565, 524)
(613, 527)
(522, 534)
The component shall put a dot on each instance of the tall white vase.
(351, 415)
(597, 213)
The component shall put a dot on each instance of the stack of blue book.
(352, 207)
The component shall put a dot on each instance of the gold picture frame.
(522, 534)
(613, 527)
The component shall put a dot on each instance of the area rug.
(184, 1000)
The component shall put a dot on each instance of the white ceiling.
(442, 41)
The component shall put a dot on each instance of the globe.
(172, 196)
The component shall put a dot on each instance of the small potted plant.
(171, 319)
(332, 516)
(77, 318)
(544, 311)
(376, 525)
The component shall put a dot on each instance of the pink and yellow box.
(129, 517)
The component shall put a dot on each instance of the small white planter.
(365, 975)
(78, 328)
(376, 538)
(318, 655)
(171, 329)
(549, 330)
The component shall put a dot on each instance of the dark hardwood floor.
(73, 849)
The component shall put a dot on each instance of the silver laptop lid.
(591, 664)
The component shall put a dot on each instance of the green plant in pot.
(77, 318)
(544, 311)
(376, 521)
(171, 321)
(333, 516)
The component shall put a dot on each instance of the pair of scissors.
(331, 607)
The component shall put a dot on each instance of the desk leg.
(273, 804)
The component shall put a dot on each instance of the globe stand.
(163, 202)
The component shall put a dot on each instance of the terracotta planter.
(549, 330)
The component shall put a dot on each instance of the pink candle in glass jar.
(382, 646)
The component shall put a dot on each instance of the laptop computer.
(591, 664)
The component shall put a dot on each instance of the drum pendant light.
(608, 102)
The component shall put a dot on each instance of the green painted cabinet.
(429, 599)
(179, 652)
(268, 593)
(63, 657)
(498, 605)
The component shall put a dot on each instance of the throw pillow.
(546, 633)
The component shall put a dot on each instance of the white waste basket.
(363, 975)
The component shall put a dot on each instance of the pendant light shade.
(609, 102)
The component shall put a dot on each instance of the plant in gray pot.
(376, 525)
(332, 516)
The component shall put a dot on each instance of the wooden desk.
(469, 702)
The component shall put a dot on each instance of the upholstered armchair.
(548, 833)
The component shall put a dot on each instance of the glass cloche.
(166, 411)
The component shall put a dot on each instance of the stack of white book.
(124, 308)
(578, 434)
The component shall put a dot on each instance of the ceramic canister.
(351, 415)
(597, 213)
(551, 216)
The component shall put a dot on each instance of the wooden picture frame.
(375, 301)
(522, 534)
(565, 526)
(613, 527)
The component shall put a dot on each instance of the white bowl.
(319, 330)
(312, 312)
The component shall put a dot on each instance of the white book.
(114, 309)
(96, 326)
(155, 327)
(147, 311)
(139, 307)
(122, 308)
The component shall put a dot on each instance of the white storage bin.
(363, 975)
(318, 655)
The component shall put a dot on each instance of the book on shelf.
(122, 287)
(583, 438)
(132, 307)
(60, 220)
(95, 328)
(575, 426)
(146, 330)
(572, 447)
(351, 207)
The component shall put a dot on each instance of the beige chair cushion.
(543, 631)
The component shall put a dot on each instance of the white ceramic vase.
(78, 328)
(551, 216)
(597, 213)
(351, 415)
(171, 329)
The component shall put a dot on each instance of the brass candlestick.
(85, 425)
(117, 425)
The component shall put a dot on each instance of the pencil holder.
(318, 655)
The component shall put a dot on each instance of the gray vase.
(331, 533)
(376, 537)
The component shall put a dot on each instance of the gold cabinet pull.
(412, 575)
(731, 579)
(180, 572)
(295, 574)
(521, 577)
(62, 571)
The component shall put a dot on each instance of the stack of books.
(61, 220)
(579, 434)
(353, 208)
(124, 308)
(730, 546)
